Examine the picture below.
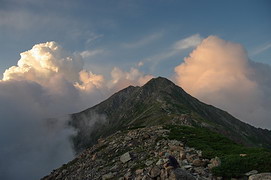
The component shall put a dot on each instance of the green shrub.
(213, 144)
(236, 166)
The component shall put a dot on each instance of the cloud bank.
(47, 83)
(220, 73)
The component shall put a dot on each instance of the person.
(172, 161)
(173, 166)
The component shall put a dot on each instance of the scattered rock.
(147, 157)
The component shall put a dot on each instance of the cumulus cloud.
(220, 73)
(43, 62)
(47, 83)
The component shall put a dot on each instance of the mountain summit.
(159, 102)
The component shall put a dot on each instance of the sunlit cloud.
(47, 83)
(220, 73)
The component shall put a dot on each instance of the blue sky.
(124, 33)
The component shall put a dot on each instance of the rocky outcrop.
(261, 176)
(137, 154)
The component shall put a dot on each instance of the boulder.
(139, 171)
(198, 163)
(251, 172)
(125, 157)
(182, 174)
(261, 176)
(214, 163)
(182, 155)
(149, 162)
(107, 176)
(160, 162)
(154, 172)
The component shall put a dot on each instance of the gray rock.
(107, 176)
(187, 166)
(261, 176)
(125, 157)
(148, 163)
(182, 155)
(182, 174)
(197, 163)
(154, 172)
(127, 175)
(251, 172)
(214, 162)
(160, 162)
(139, 171)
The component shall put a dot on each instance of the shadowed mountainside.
(159, 102)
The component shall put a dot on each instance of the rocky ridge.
(159, 102)
(137, 154)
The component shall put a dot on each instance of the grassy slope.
(213, 144)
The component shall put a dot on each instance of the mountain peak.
(159, 82)
(159, 102)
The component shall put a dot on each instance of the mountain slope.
(143, 153)
(159, 102)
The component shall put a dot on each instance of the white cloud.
(122, 79)
(144, 41)
(175, 49)
(220, 73)
(140, 64)
(90, 53)
(48, 82)
(261, 49)
(189, 42)
(93, 37)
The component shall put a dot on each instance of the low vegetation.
(236, 159)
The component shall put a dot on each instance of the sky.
(60, 57)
